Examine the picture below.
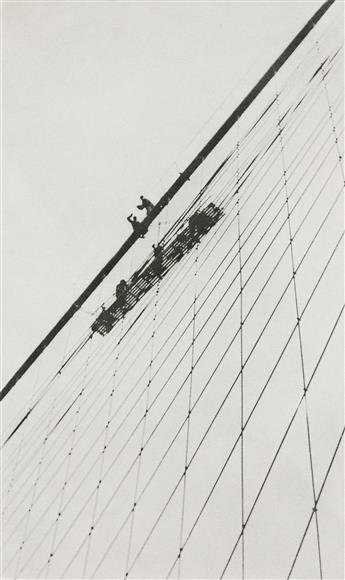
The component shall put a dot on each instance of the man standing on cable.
(146, 204)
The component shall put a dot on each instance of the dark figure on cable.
(138, 227)
(195, 226)
(121, 294)
(157, 264)
(198, 224)
(146, 204)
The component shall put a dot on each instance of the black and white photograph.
(172, 282)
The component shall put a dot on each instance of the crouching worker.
(157, 263)
(138, 228)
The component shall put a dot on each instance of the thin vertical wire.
(298, 317)
(40, 462)
(143, 432)
(23, 435)
(68, 464)
(241, 337)
(114, 385)
(190, 393)
(330, 110)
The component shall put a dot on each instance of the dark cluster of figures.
(165, 256)
(198, 223)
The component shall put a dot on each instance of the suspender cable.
(170, 193)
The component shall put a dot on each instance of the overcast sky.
(104, 101)
(99, 100)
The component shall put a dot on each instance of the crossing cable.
(18, 454)
(241, 343)
(334, 130)
(314, 510)
(74, 400)
(237, 440)
(290, 79)
(259, 399)
(143, 432)
(236, 378)
(38, 469)
(68, 460)
(57, 374)
(64, 413)
(171, 192)
(276, 455)
(190, 395)
(103, 452)
(286, 192)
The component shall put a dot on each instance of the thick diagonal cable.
(300, 343)
(314, 510)
(38, 469)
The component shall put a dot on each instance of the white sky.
(99, 99)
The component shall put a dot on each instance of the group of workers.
(197, 223)
(122, 289)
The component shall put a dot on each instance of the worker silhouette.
(194, 226)
(139, 228)
(121, 294)
(146, 204)
(157, 263)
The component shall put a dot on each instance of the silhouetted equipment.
(197, 226)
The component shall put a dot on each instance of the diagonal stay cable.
(235, 382)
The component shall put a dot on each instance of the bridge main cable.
(170, 193)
